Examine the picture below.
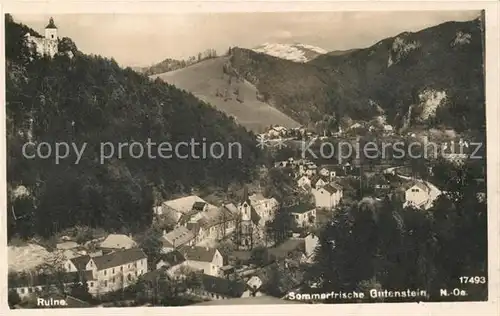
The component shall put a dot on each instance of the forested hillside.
(431, 77)
(90, 99)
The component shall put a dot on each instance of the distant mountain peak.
(296, 52)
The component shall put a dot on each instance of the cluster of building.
(117, 264)
(47, 45)
(200, 223)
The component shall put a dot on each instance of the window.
(113, 280)
(135, 273)
(91, 284)
(30, 290)
(22, 291)
(113, 270)
(69, 266)
(129, 277)
(106, 283)
(105, 272)
(121, 268)
(90, 263)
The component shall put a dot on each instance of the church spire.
(51, 24)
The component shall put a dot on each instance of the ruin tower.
(51, 30)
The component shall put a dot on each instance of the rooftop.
(177, 237)
(196, 253)
(118, 241)
(119, 258)
(223, 286)
(183, 204)
(300, 208)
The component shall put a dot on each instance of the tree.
(150, 242)
(13, 298)
(259, 256)
(282, 225)
(80, 290)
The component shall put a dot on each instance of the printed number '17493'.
(472, 279)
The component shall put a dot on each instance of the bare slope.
(207, 81)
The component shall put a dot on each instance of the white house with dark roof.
(318, 181)
(303, 214)
(417, 194)
(328, 196)
(205, 259)
(304, 182)
(76, 263)
(118, 241)
(116, 270)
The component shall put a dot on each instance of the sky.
(144, 39)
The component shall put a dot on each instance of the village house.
(317, 182)
(388, 129)
(311, 243)
(277, 131)
(303, 214)
(178, 207)
(179, 237)
(27, 285)
(207, 260)
(216, 288)
(304, 182)
(311, 169)
(118, 241)
(116, 270)
(328, 172)
(328, 197)
(76, 264)
(416, 194)
(209, 222)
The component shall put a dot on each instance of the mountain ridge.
(398, 75)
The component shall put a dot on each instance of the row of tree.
(372, 244)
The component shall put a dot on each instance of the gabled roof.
(177, 237)
(183, 204)
(418, 184)
(155, 275)
(300, 208)
(118, 241)
(254, 216)
(80, 262)
(197, 253)
(74, 302)
(223, 286)
(119, 258)
(172, 258)
(330, 188)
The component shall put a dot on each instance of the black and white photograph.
(247, 158)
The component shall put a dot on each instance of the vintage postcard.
(251, 157)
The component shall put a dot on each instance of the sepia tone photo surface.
(245, 158)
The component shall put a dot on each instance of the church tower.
(51, 30)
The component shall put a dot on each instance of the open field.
(204, 79)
